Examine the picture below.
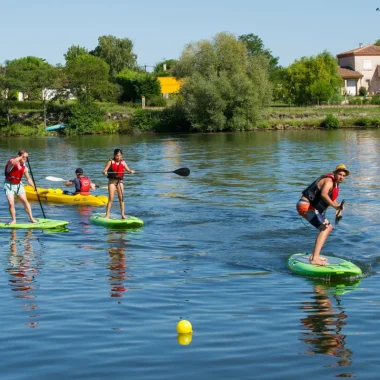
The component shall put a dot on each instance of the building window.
(367, 65)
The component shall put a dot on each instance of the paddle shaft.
(338, 218)
(34, 183)
(184, 172)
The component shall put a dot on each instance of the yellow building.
(169, 85)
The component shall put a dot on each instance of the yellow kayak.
(58, 196)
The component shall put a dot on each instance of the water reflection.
(23, 270)
(117, 263)
(324, 322)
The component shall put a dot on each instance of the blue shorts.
(313, 216)
(13, 189)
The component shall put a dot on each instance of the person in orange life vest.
(316, 198)
(82, 184)
(14, 170)
(114, 170)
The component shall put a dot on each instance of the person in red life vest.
(316, 198)
(14, 170)
(114, 170)
(82, 184)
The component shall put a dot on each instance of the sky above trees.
(160, 30)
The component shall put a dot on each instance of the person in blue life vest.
(316, 198)
(114, 170)
(82, 183)
(14, 170)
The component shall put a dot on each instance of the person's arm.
(26, 174)
(127, 168)
(68, 183)
(92, 185)
(105, 170)
(326, 186)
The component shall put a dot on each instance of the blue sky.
(160, 29)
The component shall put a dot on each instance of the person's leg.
(11, 205)
(27, 207)
(111, 194)
(325, 229)
(120, 194)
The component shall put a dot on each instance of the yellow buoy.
(184, 339)
(184, 327)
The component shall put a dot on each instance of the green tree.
(159, 68)
(135, 85)
(312, 80)
(117, 52)
(74, 51)
(34, 77)
(377, 43)
(224, 87)
(87, 74)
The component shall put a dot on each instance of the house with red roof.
(360, 68)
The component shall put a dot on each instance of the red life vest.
(116, 170)
(15, 174)
(335, 191)
(85, 185)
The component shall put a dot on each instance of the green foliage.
(173, 119)
(312, 80)
(89, 74)
(362, 91)
(84, 117)
(135, 85)
(143, 120)
(159, 68)
(74, 51)
(377, 43)
(375, 99)
(117, 52)
(355, 100)
(17, 129)
(225, 88)
(156, 101)
(330, 122)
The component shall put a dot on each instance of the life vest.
(314, 195)
(116, 170)
(15, 174)
(85, 185)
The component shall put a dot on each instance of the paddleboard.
(299, 263)
(42, 224)
(130, 222)
(55, 127)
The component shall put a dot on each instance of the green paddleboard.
(42, 224)
(299, 263)
(130, 222)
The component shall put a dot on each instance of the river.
(93, 303)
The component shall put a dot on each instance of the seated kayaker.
(82, 184)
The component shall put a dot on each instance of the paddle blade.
(338, 218)
(184, 172)
(56, 179)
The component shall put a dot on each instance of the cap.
(342, 167)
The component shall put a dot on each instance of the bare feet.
(11, 222)
(124, 217)
(320, 261)
(33, 220)
(106, 216)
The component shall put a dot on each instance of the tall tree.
(88, 74)
(377, 43)
(164, 68)
(74, 51)
(33, 76)
(224, 88)
(117, 52)
(311, 80)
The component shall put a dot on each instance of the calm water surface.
(93, 303)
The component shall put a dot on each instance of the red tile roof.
(364, 50)
(346, 73)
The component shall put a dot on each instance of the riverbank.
(127, 119)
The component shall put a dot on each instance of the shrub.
(156, 101)
(375, 100)
(142, 120)
(355, 100)
(330, 122)
(362, 91)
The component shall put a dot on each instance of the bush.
(355, 100)
(156, 101)
(142, 120)
(375, 100)
(362, 91)
(330, 122)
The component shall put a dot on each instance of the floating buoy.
(184, 327)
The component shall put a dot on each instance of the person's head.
(79, 172)
(117, 154)
(340, 173)
(24, 155)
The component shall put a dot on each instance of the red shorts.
(307, 211)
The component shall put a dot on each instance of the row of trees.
(227, 80)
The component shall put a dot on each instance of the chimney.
(360, 44)
(164, 66)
